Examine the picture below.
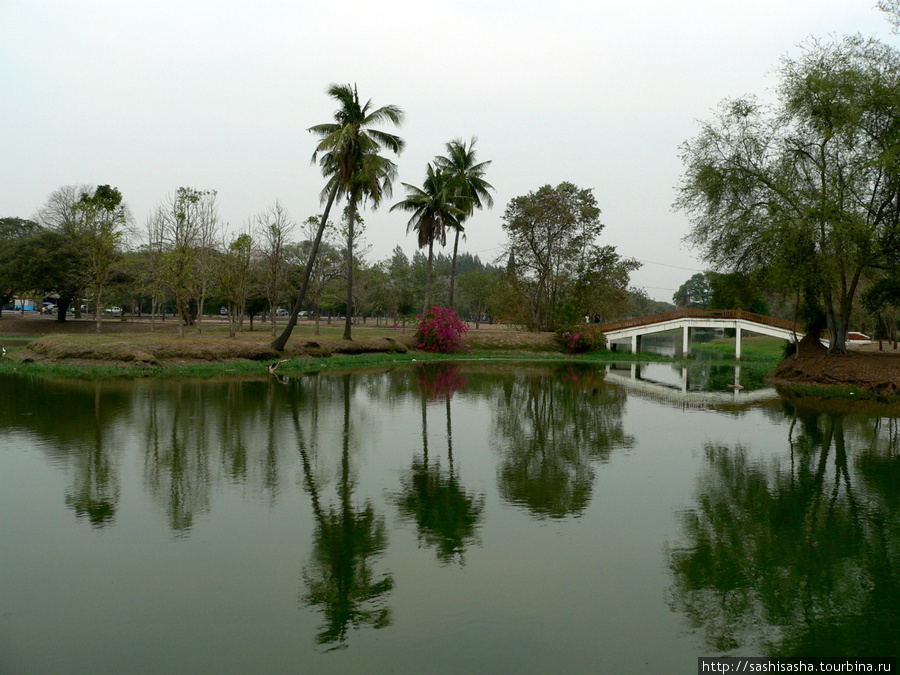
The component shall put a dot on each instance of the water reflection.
(445, 513)
(550, 428)
(799, 554)
(340, 580)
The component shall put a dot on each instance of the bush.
(581, 339)
(439, 330)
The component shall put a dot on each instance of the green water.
(438, 519)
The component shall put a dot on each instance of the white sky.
(150, 95)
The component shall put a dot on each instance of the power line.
(651, 262)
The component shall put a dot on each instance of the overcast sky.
(150, 95)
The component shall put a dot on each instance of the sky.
(152, 95)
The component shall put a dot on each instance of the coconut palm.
(470, 187)
(433, 208)
(348, 156)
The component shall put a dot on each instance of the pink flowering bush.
(440, 330)
(581, 339)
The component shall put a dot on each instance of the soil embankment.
(864, 368)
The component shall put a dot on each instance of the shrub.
(581, 339)
(439, 330)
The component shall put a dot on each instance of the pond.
(440, 518)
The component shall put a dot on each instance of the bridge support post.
(686, 341)
(635, 344)
(737, 340)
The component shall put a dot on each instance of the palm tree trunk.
(279, 343)
(350, 219)
(453, 269)
(428, 276)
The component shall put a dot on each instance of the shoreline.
(130, 349)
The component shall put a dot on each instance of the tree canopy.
(807, 190)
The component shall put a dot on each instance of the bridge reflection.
(641, 380)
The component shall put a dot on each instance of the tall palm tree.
(348, 156)
(471, 189)
(433, 209)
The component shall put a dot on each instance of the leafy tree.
(59, 215)
(179, 230)
(806, 191)
(348, 156)
(883, 300)
(434, 209)
(695, 292)
(472, 190)
(892, 9)
(551, 232)
(103, 219)
(601, 284)
(12, 232)
(737, 291)
(235, 278)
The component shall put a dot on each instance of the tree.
(348, 156)
(695, 292)
(182, 225)
(12, 232)
(737, 291)
(59, 215)
(103, 219)
(601, 284)
(273, 230)
(892, 9)
(550, 232)
(882, 299)
(806, 192)
(434, 209)
(235, 278)
(472, 191)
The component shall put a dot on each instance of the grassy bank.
(758, 348)
(213, 354)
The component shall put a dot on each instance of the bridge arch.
(689, 319)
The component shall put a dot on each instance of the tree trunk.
(453, 269)
(279, 343)
(428, 276)
(349, 313)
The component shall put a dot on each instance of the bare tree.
(273, 231)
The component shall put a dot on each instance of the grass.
(755, 348)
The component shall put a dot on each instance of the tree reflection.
(339, 579)
(445, 514)
(176, 459)
(550, 428)
(76, 421)
(797, 557)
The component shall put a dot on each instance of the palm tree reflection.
(339, 578)
(445, 514)
(798, 557)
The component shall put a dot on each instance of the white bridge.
(689, 319)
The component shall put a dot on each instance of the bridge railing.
(693, 313)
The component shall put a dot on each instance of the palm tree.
(433, 209)
(471, 189)
(348, 155)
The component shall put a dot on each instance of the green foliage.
(804, 192)
(581, 339)
(695, 292)
(737, 291)
(554, 261)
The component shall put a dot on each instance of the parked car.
(113, 311)
(281, 311)
(223, 311)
